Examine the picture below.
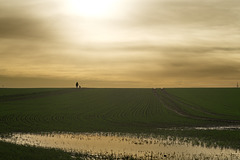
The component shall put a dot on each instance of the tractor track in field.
(17, 97)
(193, 107)
(172, 104)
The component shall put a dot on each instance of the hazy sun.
(93, 8)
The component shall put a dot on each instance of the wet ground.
(123, 146)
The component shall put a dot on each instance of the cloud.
(184, 22)
(187, 12)
(156, 42)
(20, 20)
(24, 28)
(201, 68)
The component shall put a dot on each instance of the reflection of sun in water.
(93, 8)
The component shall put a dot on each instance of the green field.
(14, 152)
(123, 110)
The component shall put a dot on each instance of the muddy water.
(119, 146)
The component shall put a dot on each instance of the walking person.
(76, 84)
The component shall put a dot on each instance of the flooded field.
(125, 146)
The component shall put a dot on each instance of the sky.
(119, 43)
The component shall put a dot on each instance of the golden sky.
(119, 43)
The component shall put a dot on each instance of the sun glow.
(93, 8)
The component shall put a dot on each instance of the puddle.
(233, 127)
(219, 128)
(96, 145)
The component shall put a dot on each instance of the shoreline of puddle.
(119, 145)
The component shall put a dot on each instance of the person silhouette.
(76, 84)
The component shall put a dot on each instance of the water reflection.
(219, 128)
(102, 145)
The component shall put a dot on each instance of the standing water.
(120, 146)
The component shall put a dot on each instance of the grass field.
(14, 152)
(217, 100)
(123, 110)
